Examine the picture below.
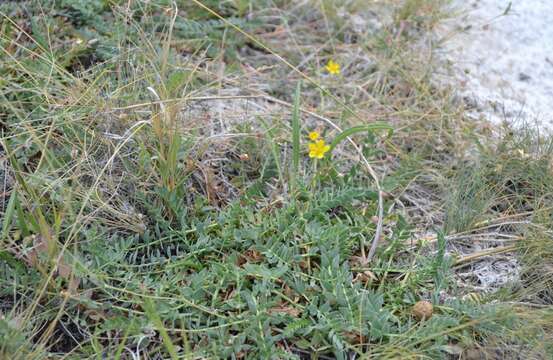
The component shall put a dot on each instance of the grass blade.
(356, 129)
(296, 136)
(8, 214)
(153, 316)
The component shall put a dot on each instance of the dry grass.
(148, 207)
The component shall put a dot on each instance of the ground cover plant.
(260, 180)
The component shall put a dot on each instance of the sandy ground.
(499, 55)
(502, 57)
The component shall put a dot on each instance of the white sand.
(504, 63)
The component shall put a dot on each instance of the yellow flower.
(313, 135)
(318, 149)
(333, 67)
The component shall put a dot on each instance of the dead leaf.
(358, 261)
(96, 315)
(66, 272)
(354, 337)
(290, 293)
(452, 349)
(41, 248)
(283, 308)
(365, 277)
(253, 256)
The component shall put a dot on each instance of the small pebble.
(423, 310)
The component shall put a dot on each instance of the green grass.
(158, 199)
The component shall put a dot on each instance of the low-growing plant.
(158, 200)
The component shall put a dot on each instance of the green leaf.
(342, 198)
(13, 262)
(296, 135)
(175, 82)
(10, 209)
(264, 272)
(362, 128)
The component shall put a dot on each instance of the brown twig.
(483, 253)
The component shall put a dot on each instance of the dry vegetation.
(158, 200)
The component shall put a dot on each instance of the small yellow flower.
(318, 149)
(333, 67)
(313, 135)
